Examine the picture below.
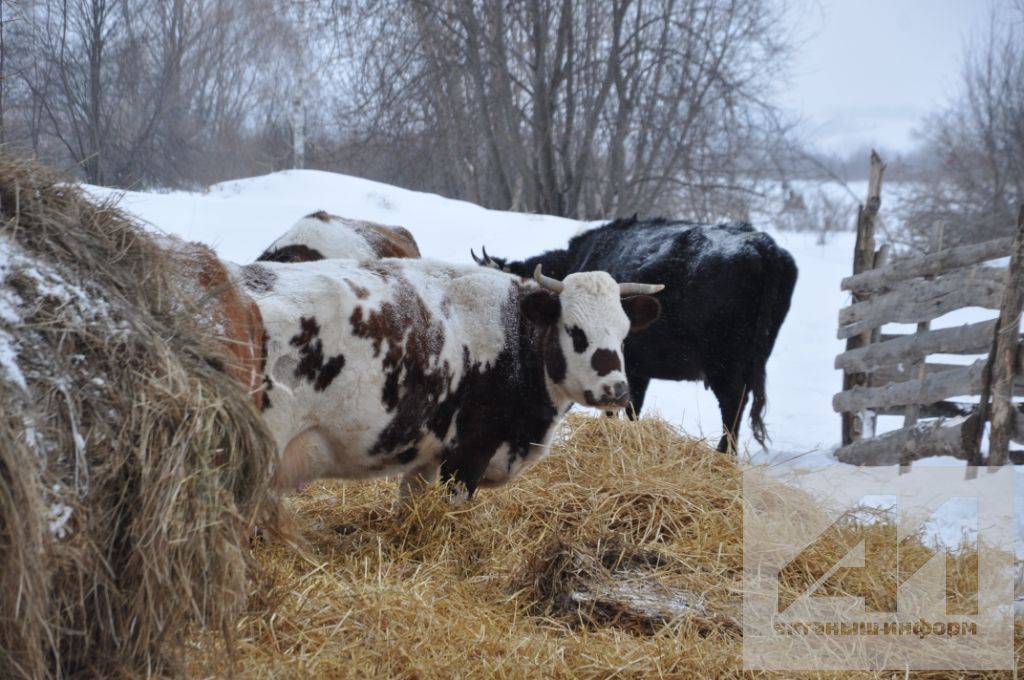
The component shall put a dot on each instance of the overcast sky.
(866, 71)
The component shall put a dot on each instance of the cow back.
(324, 236)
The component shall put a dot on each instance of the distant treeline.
(568, 107)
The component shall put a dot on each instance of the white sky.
(866, 71)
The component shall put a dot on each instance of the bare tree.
(298, 112)
(564, 106)
(142, 91)
(4, 18)
(309, 56)
(976, 182)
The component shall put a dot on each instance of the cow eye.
(579, 338)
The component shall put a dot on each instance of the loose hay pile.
(130, 466)
(618, 556)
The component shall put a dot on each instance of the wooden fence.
(891, 374)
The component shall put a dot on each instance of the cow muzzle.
(614, 395)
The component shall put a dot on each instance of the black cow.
(727, 291)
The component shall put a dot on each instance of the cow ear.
(541, 308)
(642, 310)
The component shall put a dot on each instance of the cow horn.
(628, 289)
(554, 285)
(484, 261)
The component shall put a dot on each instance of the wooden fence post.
(863, 259)
(917, 369)
(1004, 357)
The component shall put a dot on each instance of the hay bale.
(130, 464)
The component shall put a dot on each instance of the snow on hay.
(130, 466)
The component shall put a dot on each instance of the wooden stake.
(917, 370)
(863, 260)
(1004, 357)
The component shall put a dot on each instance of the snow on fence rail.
(890, 374)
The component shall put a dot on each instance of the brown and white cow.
(323, 236)
(415, 367)
(223, 308)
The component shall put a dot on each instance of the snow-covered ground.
(240, 218)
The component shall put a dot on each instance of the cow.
(423, 369)
(728, 292)
(321, 236)
(222, 308)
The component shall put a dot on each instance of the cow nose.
(617, 390)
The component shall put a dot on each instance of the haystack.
(130, 463)
(620, 555)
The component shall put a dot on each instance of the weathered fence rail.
(939, 437)
(912, 302)
(963, 380)
(974, 338)
(936, 263)
(887, 374)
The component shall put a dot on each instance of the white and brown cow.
(223, 309)
(415, 367)
(323, 236)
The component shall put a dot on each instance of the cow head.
(588, 316)
(499, 263)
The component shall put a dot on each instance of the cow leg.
(416, 480)
(465, 470)
(732, 397)
(637, 390)
(304, 458)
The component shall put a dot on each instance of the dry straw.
(130, 464)
(618, 556)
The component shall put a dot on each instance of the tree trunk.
(3, 75)
(94, 160)
(297, 114)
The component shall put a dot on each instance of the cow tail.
(775, 299)
(759, 406)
